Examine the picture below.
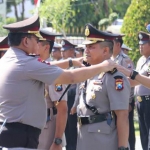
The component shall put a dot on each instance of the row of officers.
(39, 110)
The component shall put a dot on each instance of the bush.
(135, 20)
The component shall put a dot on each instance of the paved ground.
(138, 144)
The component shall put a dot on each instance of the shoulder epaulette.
(112, 71)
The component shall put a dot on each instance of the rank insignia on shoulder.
(58, 87)
(118, 83)
(112, 71)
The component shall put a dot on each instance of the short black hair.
(119, 40)
(14, 39)
(108, 44)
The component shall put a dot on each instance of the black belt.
(142, 98)
(22, 126)
(94, 119)
(54, 111)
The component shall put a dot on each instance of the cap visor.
(88, 42)
(143, 42)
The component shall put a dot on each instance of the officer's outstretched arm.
(82, 74)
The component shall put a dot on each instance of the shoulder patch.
(112, 71)
(118, 83)
(58, 87)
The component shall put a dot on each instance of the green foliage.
(57, 12)
(113, 16)
(103, 23)
(10, 20)
(3, 31)
(135, 20)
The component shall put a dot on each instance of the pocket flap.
(101, 127)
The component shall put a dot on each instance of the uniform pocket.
(101, 127)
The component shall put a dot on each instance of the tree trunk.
(22, 13)
(106, 9)
(16, 12)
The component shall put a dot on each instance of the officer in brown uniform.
(68, 51)
(122, 59)
(142, 93)
(3, 45)
(102, 97)
(55, 125)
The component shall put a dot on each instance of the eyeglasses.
(148, 27)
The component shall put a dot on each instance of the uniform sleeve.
(77, 96)
(56, 91)
(118, 89)
(128, 63)
(42, 72)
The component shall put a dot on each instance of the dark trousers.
(71, 127)
(143, 109)
(19, 135)
(131, 127)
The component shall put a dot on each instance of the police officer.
(79, 50)
(3, 45)
(68, 51)
(23, 108)
(52, 134)
(143, 93)
(125, 49)
(56, 51)
(122, 59)
(102, 96)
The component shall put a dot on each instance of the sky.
(28, 8)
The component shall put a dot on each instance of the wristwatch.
(70, 63)
(123, 148)
(57, 141)
(133, 74)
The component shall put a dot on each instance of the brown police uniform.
(23, 107)
(100, 96)
(52, 93)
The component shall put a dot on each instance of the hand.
(108, 65)
(123, 70)
(56, 147)
(77, 62)
(73, 110)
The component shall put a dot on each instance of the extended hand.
(77, 62)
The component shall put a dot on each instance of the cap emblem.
(87, 31)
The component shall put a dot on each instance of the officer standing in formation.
(56, 51)
(122, 59)
(23, 108)
(3, 45)
(142, 93)
(52, 134)
(140, 79)
(125, 49)
(68, 51)
(79, 50)
(103, 97)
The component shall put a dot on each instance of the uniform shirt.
(102, 93)
(22, 88)
(143, 67)
(124, 60)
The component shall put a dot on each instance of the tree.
(135, 20)
(14, 3)
(57, 12)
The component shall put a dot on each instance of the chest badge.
(93, 96)
(118, 83)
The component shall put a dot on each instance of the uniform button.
(99, 130)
